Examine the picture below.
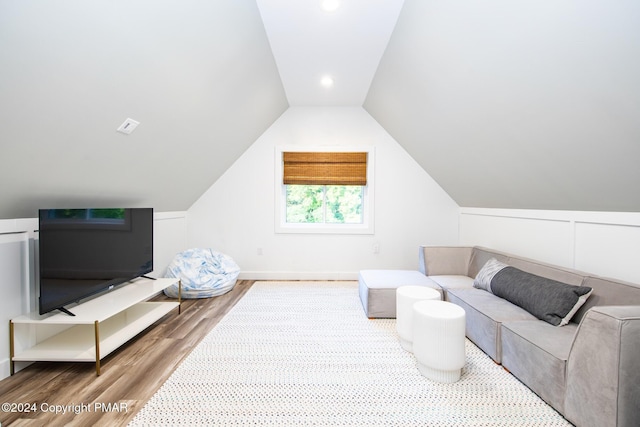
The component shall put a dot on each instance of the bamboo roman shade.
(325, 168)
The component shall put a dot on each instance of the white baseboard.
(5, 367)
(298, 275)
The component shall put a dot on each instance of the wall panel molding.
(601, 243)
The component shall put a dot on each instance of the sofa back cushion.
(480, 256)
(552, 272)
(608, 292)
(444, 260)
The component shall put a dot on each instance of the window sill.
(324, 229)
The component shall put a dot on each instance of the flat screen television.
(83, 252)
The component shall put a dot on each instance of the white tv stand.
(99, 326)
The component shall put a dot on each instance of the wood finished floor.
(129, 376)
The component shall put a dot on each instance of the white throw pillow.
(486, 273)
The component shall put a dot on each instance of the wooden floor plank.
(129, 376)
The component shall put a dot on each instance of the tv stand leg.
(12, 364)
(148, 277)
(97, 335)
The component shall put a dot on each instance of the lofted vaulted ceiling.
(198, 75)
(530, 104)
(344, 44)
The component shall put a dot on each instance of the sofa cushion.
(480, 256)
(453, 281)
(536, 353)
(560, 274)
(485, 313)
(608, 292)
(444, 260)
(549, 300)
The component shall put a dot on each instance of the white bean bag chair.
(203, 273)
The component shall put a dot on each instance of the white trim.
(367, 227)
(20, 225)
(595, 217)
(298, 275)
(159, 216)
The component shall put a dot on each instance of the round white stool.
(406, 296)
(438, 340)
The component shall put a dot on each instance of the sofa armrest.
(444, 260)
(603, 369)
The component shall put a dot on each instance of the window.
(324, 191)
(324, 204)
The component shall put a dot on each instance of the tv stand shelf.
(99, 326)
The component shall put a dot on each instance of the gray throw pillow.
(486, 273)
(549, 300)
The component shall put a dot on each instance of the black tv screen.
(83, 252)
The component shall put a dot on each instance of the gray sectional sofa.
(588, 369)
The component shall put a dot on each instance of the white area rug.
(304, 354)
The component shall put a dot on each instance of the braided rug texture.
(305, 354)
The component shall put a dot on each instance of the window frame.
(367, 226)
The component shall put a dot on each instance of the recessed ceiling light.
(326, 81)
(330, 5)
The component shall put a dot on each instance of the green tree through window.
(328, 204)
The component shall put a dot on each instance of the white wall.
(17, 266)
(16, 278)
(170, 237)
(602, 243)
(236, 215)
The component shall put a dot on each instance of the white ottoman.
(438, 340)
(406, 296)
